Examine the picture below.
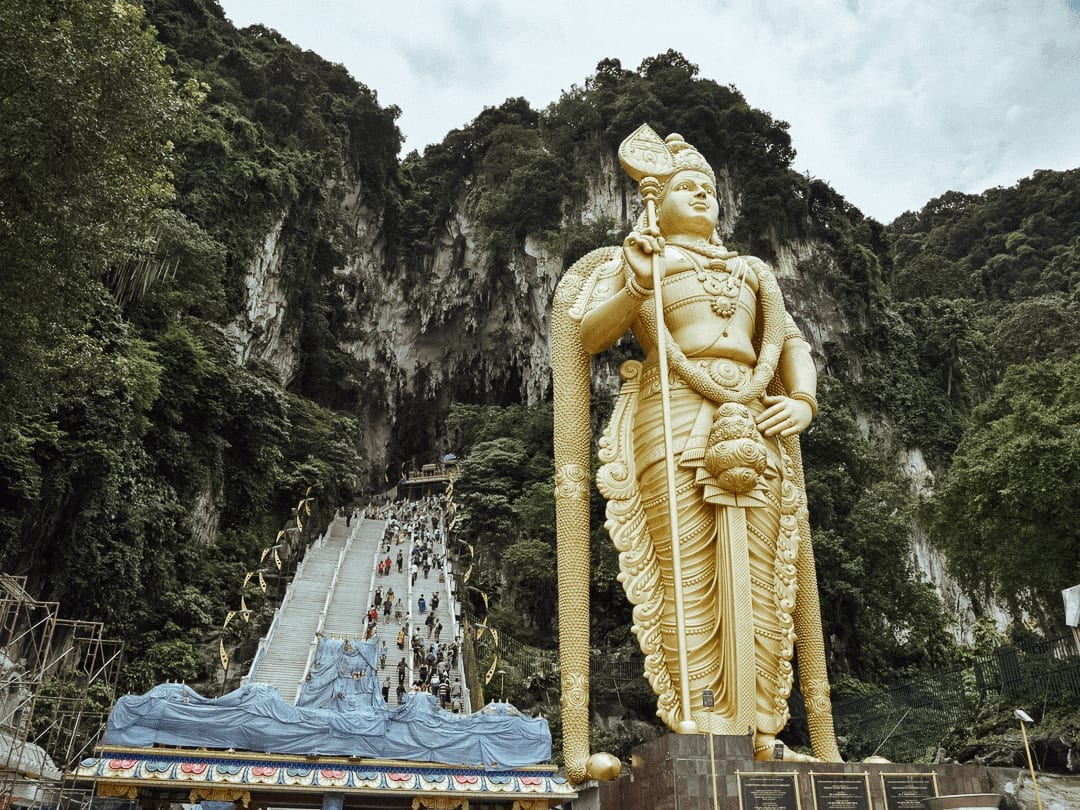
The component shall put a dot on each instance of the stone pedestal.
(674, 773)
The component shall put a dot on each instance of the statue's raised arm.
(700, 465)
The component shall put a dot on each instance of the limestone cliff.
(469, 323)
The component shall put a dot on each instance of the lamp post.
(708, 701)
(1024, 717)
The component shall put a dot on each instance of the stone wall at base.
(673, 772)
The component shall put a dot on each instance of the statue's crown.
(685, 156)
(645, 154)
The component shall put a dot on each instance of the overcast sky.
(892, 102)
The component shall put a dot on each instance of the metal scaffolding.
(57, 683)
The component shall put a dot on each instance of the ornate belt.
(724, 372)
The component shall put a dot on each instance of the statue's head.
(684, 159)
(644, 154)
(687, 203)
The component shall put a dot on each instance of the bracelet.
(806, 397)
(635, 290)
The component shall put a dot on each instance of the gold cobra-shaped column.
(813, 677)
(813, 673)
(570, 378)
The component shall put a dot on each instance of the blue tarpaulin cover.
(340, 712)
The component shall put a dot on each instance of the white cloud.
(892, 103)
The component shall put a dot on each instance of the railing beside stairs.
(265, 641)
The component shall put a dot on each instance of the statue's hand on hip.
(784, 416)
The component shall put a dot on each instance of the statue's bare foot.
(765, 750)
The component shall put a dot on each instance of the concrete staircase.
(387, 627)
(437, 581)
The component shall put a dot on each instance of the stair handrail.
(312, 647)
(409, 657)
(264, 642)
(260, 651)
(455, 628)
(371, 578)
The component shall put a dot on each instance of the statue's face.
(689, 208)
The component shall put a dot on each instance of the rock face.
(259, 332)
(466, 323)
(206, 514)
(1055, 792)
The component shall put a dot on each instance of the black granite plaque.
(768, 791)
(841, 791)
(906, 791)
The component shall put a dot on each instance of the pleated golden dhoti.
(737, 555)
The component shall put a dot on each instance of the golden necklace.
(710, 267)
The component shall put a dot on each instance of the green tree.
(1046, 327)
(520, 187)
(493, 474)
(88, 111)
(1007, 511)
(88, 114)
(530, 565)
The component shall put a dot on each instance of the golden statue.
(712, 415)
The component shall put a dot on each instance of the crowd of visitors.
(414, 533)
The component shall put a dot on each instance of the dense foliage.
(142, 468)
(990, 282)
(1004, 512)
